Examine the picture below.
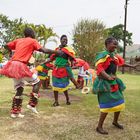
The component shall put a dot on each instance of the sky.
(62, 15)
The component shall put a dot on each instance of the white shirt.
(82, 72)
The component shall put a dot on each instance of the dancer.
(107, 85)
(62, 71)
(17, 69)
(83, 71)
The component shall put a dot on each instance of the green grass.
(75, 122)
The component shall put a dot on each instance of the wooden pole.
(124, 32)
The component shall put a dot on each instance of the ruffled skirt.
(16, 69)
(60, 79)
(110, 96)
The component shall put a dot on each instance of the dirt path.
(61, 96)
(49, 94)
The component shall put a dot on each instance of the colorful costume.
(62, 71)
(17, 69)
(83, 70)
(43, 73)
(109, 93)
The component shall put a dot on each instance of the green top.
(61, 62)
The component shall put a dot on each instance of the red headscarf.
(80, 62)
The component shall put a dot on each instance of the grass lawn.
(75, 122)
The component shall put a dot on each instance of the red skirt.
(16, 69)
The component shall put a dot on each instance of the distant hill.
(132, 51)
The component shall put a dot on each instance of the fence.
(132, 61)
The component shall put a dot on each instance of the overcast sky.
(61, 15)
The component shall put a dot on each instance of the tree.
(117, 31)
(13, 29)
(43, 34)
(10, 30)
(1, 56)
(88, 36)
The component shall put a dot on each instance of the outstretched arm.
(48, 61)
(129, 65)
(48, 51)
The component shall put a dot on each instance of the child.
(17, 69)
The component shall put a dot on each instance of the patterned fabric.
(109, 93)
(16, 69)
(103, 59)
(33, 99)
(43, 70)
(69, 51)
(17, 104)
(62, 71)
(60, 79)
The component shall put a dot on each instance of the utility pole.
(124, 32)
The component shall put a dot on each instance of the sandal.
(55, 104)
(101, 131)
(118, 125)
